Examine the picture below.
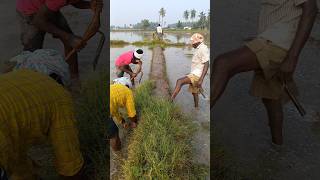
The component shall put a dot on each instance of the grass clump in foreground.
(160, 147)
(92, 109)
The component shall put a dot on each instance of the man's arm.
(139, 67)
(82, 4)
(306, 22)
(128, 71)
(42, 21)
(204, 72)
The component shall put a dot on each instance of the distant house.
(187, 27)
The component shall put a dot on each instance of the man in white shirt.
(159, 32)
(199, 68)
(284, 28)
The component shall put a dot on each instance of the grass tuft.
(92, 114)
(160, 147)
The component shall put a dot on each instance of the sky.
(133, 11)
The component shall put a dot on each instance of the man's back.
(159, 29)
(121, 97)
(28, 100)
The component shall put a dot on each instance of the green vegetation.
(118, 42)
(162, 14)
(92, 114)
(151, 44)
(160, 147)
(145, 24)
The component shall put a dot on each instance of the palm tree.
(202, 20)
(186, 15)
(193, 13)
(162, 13)
(208, 19)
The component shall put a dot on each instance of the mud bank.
(158, 73)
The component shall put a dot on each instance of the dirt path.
(240, 120)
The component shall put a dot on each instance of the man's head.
(196, 39)
(159, 25)
(137, 54)
(124, 81)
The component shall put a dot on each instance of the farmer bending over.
(199, 68)
(38, 17)
(284, 28)
(121, 96)
(35, 108)
(123, 63)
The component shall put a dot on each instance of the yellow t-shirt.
(121, 97)
(34, 108)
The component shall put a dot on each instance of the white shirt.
(200, 57)
(279, 20)
(159, 30)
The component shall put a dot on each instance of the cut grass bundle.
(92, 114)
(160, 147)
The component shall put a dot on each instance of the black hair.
(57, 78)
(159, 25)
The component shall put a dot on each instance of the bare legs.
(115, 142)
(275, 116)
(241, 60)
(226, 66)
(181, 82)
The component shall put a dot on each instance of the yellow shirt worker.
(35, 108)
(121, 96)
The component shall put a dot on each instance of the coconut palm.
(186, 15)
(193, 13)
(162, 14)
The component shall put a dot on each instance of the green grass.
(150, 43)
(118, 43)
(160, 147)
(91, 109)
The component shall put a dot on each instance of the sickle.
(92, 29)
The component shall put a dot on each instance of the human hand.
(288, 67)
(133, 125)
(133, 75)
(199, 84)
(76, 42)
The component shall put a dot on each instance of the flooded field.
(133, 36)
(178, 61)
